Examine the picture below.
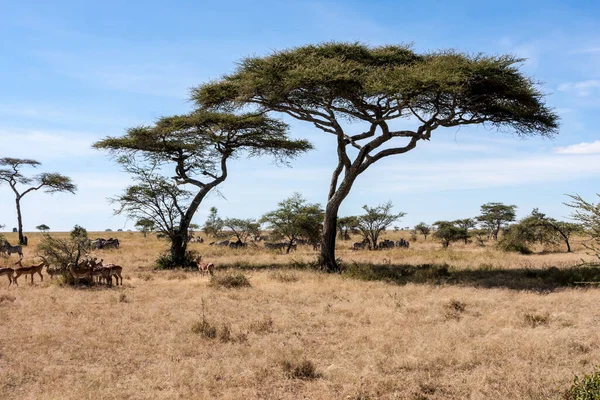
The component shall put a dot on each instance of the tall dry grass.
(298, 333)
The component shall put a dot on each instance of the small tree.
(145, 225)
(294, 219)
(376, 220)
(588, 215)
(494, 216)
(347, 226)
(43, 228)
(465, 223)
(197, 147)
(60, 252)
(214, 224)
(423, 229)
(50, 182)
(448, 232)
(242, 228)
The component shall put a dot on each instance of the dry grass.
(301, 334)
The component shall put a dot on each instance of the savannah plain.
(467, 322)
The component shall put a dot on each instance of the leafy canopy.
(376, 220)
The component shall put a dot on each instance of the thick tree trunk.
(20, 222)
(327, 257)
(178, 249)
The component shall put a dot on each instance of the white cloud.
(582, 88)
(581, 148)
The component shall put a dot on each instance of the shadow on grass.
(543, 279)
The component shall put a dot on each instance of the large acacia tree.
(354, 92)
(50, 182)
(197, 147)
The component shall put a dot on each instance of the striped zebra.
(7, 248)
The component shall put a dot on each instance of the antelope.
(80, 271)
(34, 269)
(203, 267)
(53, 271)
(9, 273)
(112, 270)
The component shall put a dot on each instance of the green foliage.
(243, 228)
(43, 228)
(376, 220)
(145, 225)
(496, 215)
(448, 232)
(588, 215)
(295, 219)
(214, 224)
(166, 261)
(60, 252)
(585, 388)
(347, 226)
(423, 229)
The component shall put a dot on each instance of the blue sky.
(73, 72)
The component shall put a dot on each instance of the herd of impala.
(89, 268)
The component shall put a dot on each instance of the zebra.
(7, 248)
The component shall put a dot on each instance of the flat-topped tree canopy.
(197, 142)
(332, 84)
(320, 83)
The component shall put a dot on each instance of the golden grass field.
(489, 325)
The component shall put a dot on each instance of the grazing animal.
(113, 270)
(224, 243)
(386, 244)
(80, 271)
(276, 246)
(53, 271)
(402, 243)
(34, 269)
(361, 245)
(237, 245)
(9, 273)
(205, 268)
(7, 248)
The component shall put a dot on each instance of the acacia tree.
(347, 226)
(242, 228)
(145, 225)
(197, 146)
(43, 228)
(334, 85)
(214, 224)
(496, 215)
(50, 182)
(587, 214)
(295, 218)
(448, 232)
(376, 220)
(423, 229)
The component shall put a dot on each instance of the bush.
(165, 261)
(300, 369)
(585, 388)
(284, 276)
(205, 329)
(230, 280)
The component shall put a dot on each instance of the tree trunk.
(20, 222)
(178, 248)
(327, 257)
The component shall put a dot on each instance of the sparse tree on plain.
(466, 224)
(376, 220)
(198, 147)
(588, 215)
(423, 229)
(294, 219)
(347, 226)
(494, 216)
(448, 232)
(43, 228)
(50, 182)
(213, 224)
(242, 228)
(145, 225)
(342, 87)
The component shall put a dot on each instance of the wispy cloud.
(581, 88)
(581, 148)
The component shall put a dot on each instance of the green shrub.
(585, 388)
(165, 261)
(230, 280)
